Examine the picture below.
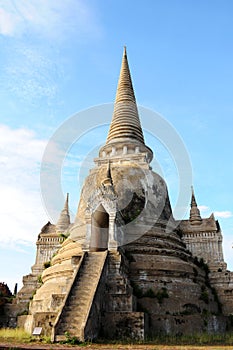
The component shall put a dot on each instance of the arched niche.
(99, 229)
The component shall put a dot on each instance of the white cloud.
(30, 75)
(21, 210)
(22, 216)
(51, 18)
(22, 213)
(8, 22)
(223, 214)
(33, 68)
(203, 208)
(227, 247)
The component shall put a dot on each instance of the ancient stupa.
(128, 268)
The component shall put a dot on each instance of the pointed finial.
(66, 206)
(195, 217)
(193, 199)
(125, 121)
(64, 219)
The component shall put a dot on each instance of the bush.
(204, 296)
(149, 294)
(39, 279)
(5, 295)
(137, 291)
(162, 294)
(71, 339)
(63, 236)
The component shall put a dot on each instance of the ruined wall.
(204, 240)
(47, 244)
(169, 287)
(119, 316)
(187, 324)
(120, 325)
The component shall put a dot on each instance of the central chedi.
(124, 270)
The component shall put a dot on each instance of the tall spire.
(125, 121)
(64, 219)
(66, 205)
(195, 217)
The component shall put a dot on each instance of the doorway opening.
(99, 230)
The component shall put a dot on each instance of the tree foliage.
(5, 294)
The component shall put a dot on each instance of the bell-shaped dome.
(140, 195)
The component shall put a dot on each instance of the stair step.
(81, 292)
(66, 327)
(76, 309)
(90, 274)
(79, 299)
(77, 305)
(86, 278)
(76, 298)
(82, 285)
(78, 319)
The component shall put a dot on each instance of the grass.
(194, 342)
(16, 334)
(183, 340)
(196, 339)
(19, 335)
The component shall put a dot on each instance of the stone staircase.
(74, 315)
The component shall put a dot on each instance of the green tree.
(5, 294)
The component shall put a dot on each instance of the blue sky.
(63, 57)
